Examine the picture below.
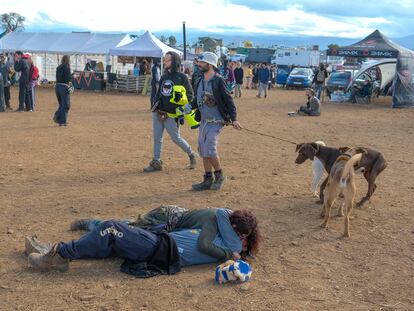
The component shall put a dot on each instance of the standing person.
(165, 106)
(33, 78)
(216, 108)
(255, 79)
(319, 80)
(238, 76)
(197, 74)
(63, 85)
(228, 75)
(264, 78)
(2, 101)
(21, 65)
(249, 77)
(5, 71)
(155, 81)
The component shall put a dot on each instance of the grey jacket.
(5, 70)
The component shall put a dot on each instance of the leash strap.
(267, 135)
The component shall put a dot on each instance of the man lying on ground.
(147, 252)
(211, 222)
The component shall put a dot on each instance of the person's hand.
(236, 256)
(237, 125)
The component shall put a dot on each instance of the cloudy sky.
(348, 19)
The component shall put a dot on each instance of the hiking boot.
(33, 245)
(219, 179)
(80, 224)
(155, 165)
(205, 184)
(193, 161)
(49, 261)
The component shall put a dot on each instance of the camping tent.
(47, 47)
(146, 45)
(377, 45)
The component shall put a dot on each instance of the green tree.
(248, 44)
(163, 39)
(333, 46)
(12, 21)
(172, 41)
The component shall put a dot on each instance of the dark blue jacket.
(264, 75)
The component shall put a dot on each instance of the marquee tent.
(377, 45)
(48, 46)
(146, 45)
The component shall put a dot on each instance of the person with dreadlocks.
(165, 106)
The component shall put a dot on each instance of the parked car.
(238, 58)
(282, 74)
(300, 77)
(339, 80)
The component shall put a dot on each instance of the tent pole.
(44, 66)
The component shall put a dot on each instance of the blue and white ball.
(233, 271)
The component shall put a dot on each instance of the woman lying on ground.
(146, 252)
(211, 221)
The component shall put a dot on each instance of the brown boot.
(33, 245)
(49, 261)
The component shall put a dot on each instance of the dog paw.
(324, 225)
(346, 235)
(340, 215)
(319, 202)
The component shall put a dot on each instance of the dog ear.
(343, 149)
(315, 146)
(309, 151)
(298, 146)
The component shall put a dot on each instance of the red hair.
(245, 223)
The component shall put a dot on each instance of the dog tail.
(349, 168)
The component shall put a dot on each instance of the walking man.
(21, 65)
(216, 109)
(164, 115)
(264, 78)
(238, 75)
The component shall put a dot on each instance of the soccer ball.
(232, 271)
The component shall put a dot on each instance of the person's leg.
(111, 238)
(157, 132)
(64, 104)
(28, 99)
(7, 96)
(265, 89)
(33, 98)
(174, 131)
(22, 96)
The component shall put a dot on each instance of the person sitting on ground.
(313, 105)
(211, 221)
(146, 253)
(361, 91)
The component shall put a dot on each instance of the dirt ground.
(50, 176)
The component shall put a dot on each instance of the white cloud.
(207, 15)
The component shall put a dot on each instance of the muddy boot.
(205, 184)
(193, 161)
(155, 165)
(33, 245)
(49, 261)
(80, 224)
(219, 179)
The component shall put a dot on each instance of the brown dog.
(327, 155)
(372, 163)
(341, 181)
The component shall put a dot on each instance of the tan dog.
(341, 181)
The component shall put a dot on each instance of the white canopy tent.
(47, 47)
(146, 45)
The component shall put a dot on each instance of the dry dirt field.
(50, 176)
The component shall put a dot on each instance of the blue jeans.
(111, 238)
(319, 89)
(173, 130)
(61, 115)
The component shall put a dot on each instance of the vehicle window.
(301, 72)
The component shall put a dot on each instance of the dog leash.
(267, 135)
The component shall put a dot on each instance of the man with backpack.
(319, 80)
(33, 77)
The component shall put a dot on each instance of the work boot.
(219, 179)
(49, 261)
(193, 161)
(205, 184)
(80, 224)
(155, 165)
(33, 245)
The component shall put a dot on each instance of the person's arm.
(188, 88)
(315, 77)
(205, 243)
(227, 233)
(242, 74)
(18, 65)
(227, 100)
